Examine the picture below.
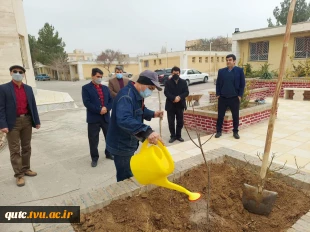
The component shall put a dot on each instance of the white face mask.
(98, 81)
(17, 77)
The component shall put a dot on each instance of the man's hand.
(154, 137)
(5, 130)
(159, 114)
(38, 126)
(103, 110)
(239, 98)
(217, 97)
(177, 99)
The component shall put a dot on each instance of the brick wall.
(271, 84)
(254, 94)
(207, 124)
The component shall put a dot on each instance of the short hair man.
(98, 102)
(126, 128)
(117, 82)
(176, 91)
(230, 84)
(18, 114)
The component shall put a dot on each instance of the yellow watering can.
(152, 166)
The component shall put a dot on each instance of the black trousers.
(93, 137)
(172, 114)
(233, 104)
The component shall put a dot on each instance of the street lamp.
(210, 59)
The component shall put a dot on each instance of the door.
(191, 76)
(199, 76)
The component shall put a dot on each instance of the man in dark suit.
(176, 91)
(230, 85)
(98, 102)
(118, 82)
(18, 114)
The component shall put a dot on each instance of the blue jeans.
(122, 165)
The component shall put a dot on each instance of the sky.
(143, 26)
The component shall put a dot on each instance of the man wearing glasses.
(18, 114)
(126, 127)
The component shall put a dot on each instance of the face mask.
(119, 75)
(98, 81)
(175, 77)
(17, 77)
(146, 93)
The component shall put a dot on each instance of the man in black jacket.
(176, 90)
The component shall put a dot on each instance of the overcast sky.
(143, 26)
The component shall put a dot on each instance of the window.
(76, 69)
(146, 63)
(193, 59)
(302, 47)
(183, 71)
(206, 59)
(23, 51)
(159, 61)
(259, 51)
(212, 59)
(223, 59)
(200, 59)
(217, 59)
(154, 62)
(196, 72)
(189, 72)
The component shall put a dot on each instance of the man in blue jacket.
(18, 114)
(230, 85)
(126, 128)
(98, 102)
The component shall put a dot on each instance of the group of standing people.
(118, 110)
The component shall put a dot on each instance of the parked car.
(163, 75)
(42, 77)
(193, 76)
(126, 74)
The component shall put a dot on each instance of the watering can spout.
(152, 166)
(164, 182)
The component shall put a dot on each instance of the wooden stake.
(276, 94)
(160, 119)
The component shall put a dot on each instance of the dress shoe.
(236, 135)
(180, 139)
(172, 140)
(20, 181)
(111, 157)
(30, 173)
(218, 134)
(94, 164)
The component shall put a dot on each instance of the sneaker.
(111, 157)
(236, 135)
(218, 134)
(180, 139)
(94, 164)
(20, 181)
(172, 140)
(30, 173)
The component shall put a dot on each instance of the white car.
(193, 76)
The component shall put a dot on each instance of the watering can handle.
(166, 153)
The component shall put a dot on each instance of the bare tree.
(60, 64)
(108, 57)
(163, 50)
(219, 43)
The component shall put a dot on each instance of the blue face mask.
(146, 93)
(119, 75)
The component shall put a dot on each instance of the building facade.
(14, 46)
(79, 55)
(209, 62)
(257, 47)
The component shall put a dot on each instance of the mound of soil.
(163, 210)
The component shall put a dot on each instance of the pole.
(166, 56)
(210, 59)
(277, 91)
(160, 119)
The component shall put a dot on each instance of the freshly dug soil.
(163, 210)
